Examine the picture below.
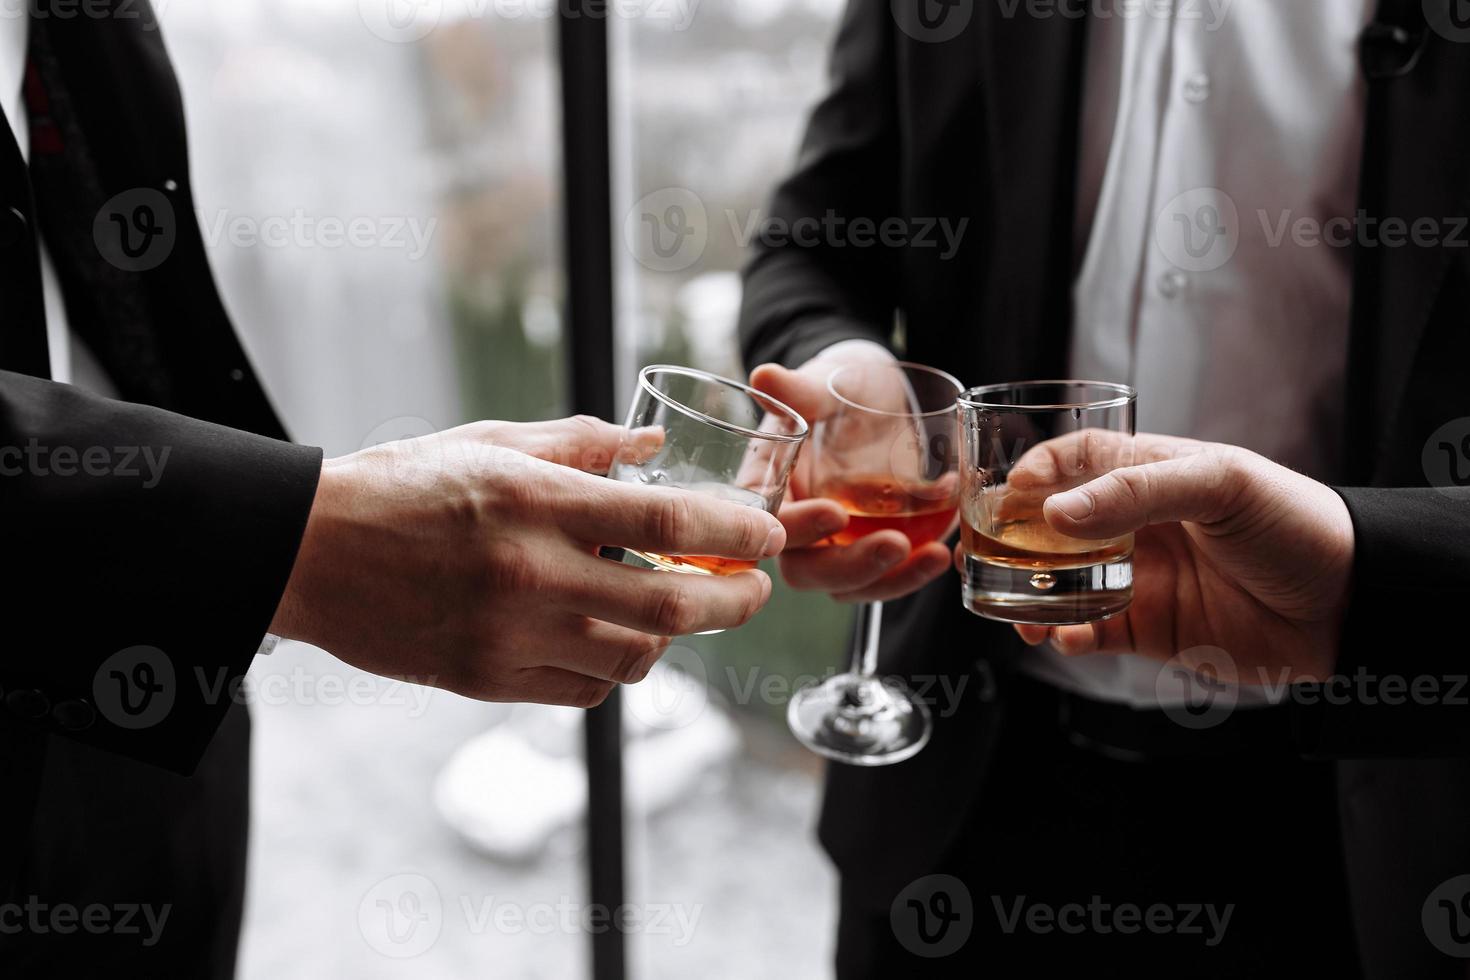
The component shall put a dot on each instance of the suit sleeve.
(1402, 686)
(805, 289)
(149, 552)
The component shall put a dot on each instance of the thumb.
(1203, 488)
(582, 442)
(804, 391)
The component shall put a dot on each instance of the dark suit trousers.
(158, 858)
(1063, 843)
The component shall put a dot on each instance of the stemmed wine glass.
(888, 455)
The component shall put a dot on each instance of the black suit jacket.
(138, 594)
(983, 128)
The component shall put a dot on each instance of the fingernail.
(775, 541)
(765, 589)
(832, 523)
(1075, 504)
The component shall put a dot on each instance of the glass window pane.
(710, 102)
(381, 201)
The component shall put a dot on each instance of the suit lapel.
(1031, 71)
(1415, 159)
(23, 345)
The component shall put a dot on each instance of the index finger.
(804, 390)
(671, 521)
(1086, 454)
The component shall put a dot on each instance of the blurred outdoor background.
(403, 833)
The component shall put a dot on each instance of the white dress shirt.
(71, 360)
(1239, 127)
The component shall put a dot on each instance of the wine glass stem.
(865, 648)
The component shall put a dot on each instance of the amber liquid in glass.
(1025, 540)
(880, 503)
(699, 564)
(705, 564)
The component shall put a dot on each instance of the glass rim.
(949, 409)
(755, 394)
(1122, 395)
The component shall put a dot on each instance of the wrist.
(292, 619)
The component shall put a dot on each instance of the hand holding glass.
(887, 455)
(696, 431)
(1023, 443)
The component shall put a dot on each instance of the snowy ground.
(353, 873)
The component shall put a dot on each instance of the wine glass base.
(862, 721)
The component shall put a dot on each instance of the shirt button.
(1197, 88)
(1171, 284)
(30, 705)
(73, 715)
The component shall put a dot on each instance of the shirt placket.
(1185, 258)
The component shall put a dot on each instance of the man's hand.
(1233, 551)
(470, 557)
(879, 566)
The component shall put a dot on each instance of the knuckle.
(486, 430)
(513, 566)
(590, 693)
(1236, 464)
(674, 612)
(668, 520)
(589, 425)
(1132, 484)
(1235, 471)
(587, 448)
(523, 494)
(635, 658)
